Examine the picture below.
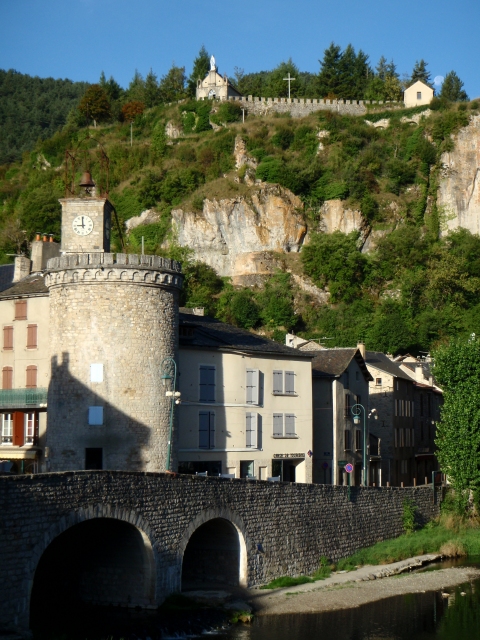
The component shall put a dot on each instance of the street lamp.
(169, 380)
(356, 412)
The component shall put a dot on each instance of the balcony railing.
(23, 398)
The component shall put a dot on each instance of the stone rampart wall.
(286, 527)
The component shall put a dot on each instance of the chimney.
(43, 250)
(361, 348)
(21, 269)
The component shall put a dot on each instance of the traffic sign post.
(348, 469)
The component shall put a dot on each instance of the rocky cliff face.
(234, 234)
(459, 189)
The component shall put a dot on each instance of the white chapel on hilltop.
(215, 86)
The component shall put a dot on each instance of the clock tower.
(86, 224)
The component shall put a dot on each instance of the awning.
(17, 454)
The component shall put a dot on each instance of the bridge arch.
(219, 535)
(100, 554)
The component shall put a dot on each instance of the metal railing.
(23, 398)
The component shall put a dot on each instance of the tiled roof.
(210, 333)
(329, 363)
(31, 285)
(382, 362)
(6, 276)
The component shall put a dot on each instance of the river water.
(419, 616)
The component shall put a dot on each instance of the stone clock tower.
(113, 322)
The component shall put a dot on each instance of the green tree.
(131, 110)
(136, 88)
(172, 85)
(420, 72)
(95, 104)
(457, 371)
(328, 81)
(201, 65)
(238, 307)
(452, 88)
(276, 86)
(152, 91)
(276, 302)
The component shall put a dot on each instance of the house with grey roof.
(246, 408)
(340, 381)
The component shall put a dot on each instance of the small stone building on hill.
(418, 94)
(215, 86)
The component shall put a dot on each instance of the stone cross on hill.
(289, 80)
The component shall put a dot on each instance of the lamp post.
(356, 412)
(169, 380)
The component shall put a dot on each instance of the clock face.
(82, 225)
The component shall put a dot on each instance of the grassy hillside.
(413, 291)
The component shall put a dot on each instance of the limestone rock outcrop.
(233, 234)
(459, 189)
(334, 217)
(149, 216)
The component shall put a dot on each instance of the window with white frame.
(284, 383)
(284, 425)
(251, 430)
(7, 428)
(29, 428)
(378, 382)
(207, 383)
(206, 429)
(419, 95)
(252, 386)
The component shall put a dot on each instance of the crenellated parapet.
(108, 267)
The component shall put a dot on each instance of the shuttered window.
(251, 430)
(289, 382)
(30, 420)
(18, 428)
(290, 425)
(7, 378)
(348, 444)
(277, 425)
(31, 336)
(7, 428)
(252, 386)
(358, 440)
(207, 383)
(31, 377)
(21, 310)
(347, 406)
(8, 338)
(278, 382)
(206, 429)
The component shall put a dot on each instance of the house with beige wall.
(215, 86)
(418, 94)
(246, 404)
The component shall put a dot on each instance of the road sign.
(349, 468)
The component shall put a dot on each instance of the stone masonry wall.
(286, 528)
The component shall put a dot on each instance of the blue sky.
(77, 39)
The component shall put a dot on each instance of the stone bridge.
(131, 539)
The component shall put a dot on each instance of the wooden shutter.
(347, 439)
(206, 430)
(358, 440)
(207, 383)
(31, 336)
(7, 378)
(31, 377)
(347, 405)
(252, 386)
(278, 382)
(278, 425)
(290, 382)
(21, 310)
(8, 338)
(18, 428)
(290, 425)
(251, 429)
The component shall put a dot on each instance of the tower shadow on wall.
(119, 442)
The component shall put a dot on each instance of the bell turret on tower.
(86, 221)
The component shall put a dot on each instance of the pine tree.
(452, 88)
(201, 65)
(172, 85)
(328, 80)
(276, 86)
(420, 72)
(152, 92)
(136, 88)
(95, 104)
(381, 68)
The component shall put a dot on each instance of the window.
(96, 372)
(31, 377)
(290, 431)
(402, 437)
(252, 386)
(95, 416)
(93, 458)
(358, 440)
(419, 95)
(284, 425)
(7, 378)
(251, 430)
(7, 428)
(396, 407)
(396, 438)
(347, 442)
(284, 383)
(30, 420)
(206, 430)
(407, 437)
(207, 383)
(378, 382)
(31, 336)
(278, 425)
(247, 469)
(347, 406)
(21, 310)
(8, 338)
